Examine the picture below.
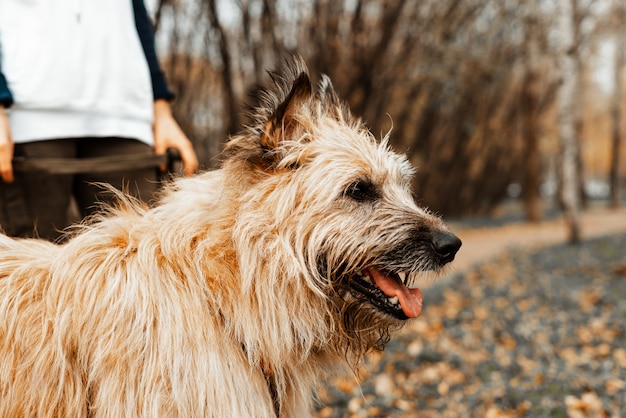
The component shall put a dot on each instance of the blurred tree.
(618, 88)
(566, 116)
(530, 108)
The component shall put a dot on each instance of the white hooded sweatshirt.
(75, 68)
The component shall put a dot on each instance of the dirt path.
(485, 243)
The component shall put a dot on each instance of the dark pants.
(37, 204)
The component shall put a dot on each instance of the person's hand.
(167, 134)
(6, 148)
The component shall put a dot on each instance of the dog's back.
(106, 325)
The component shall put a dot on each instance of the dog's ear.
(326, 93)
(284, 123)
(331, 104)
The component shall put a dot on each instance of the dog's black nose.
(446, 245)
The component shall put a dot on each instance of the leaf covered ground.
(530, 333)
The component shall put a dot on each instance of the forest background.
(490, 99)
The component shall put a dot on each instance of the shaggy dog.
(239, 291)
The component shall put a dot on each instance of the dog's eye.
(362, 191)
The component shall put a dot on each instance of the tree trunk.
(566, 119)
(532, 158)
(531, 180)
(620, 60)
(230, 97)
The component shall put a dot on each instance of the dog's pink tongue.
(410, 299)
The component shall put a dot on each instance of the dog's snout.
(446, 245)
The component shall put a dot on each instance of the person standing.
(78, 79)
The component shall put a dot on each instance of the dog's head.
(331, 210)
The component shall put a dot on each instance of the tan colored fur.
(227, 299)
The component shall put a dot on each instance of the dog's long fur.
(234, 295)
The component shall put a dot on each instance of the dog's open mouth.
(388, 292)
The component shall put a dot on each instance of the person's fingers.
(6, 172)
(6, 165)
(160, 148)
(6, 148)
(187, 155)
(190, 161)
(167, 134)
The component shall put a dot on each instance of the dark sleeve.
(6, 98)
(144, 29)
